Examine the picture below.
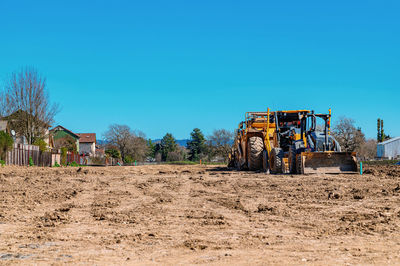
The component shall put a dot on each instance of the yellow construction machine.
(289, 142)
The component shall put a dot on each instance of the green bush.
(31, 161)
(64, 156)
(73, 164)
(42, 144)
(113, 153)
(6, 143)
(2, 163)
(128, 159)
(56, 165)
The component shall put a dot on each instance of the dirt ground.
(197, 214)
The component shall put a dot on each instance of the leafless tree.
(158, 157)
(127, 141)
(179, 154)
(66, 142)
(367, 150)
(349, 137)
(138, 147)
(219, 143)
(25, 104)
(119, 136)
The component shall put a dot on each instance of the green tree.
(6, 143)
(151, 148)
(167, 145)
(113, 153)
(196, 145)
(381, 136)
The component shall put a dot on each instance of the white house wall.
(89, 148)
(389, 150)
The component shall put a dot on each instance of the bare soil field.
(197, 214)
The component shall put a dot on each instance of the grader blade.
(329, 162)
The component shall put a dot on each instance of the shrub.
(31, 161)
(6, 143)
(56, 164)
(64, 156)
(128, 159)
(97, 160)
(2, 163)
(42, 144)
(73, 164)
(113, 153)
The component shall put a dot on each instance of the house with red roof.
(87, 144)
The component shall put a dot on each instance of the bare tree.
(127, 141)
(119, 136)
(138, 148)
(367, 150)
(25, 104)
(66, 142)
(349, 137)
(219, 143)
(179, 154)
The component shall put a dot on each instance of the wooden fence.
(20, 154)
(75, 157)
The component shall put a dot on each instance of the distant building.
(100, 151)
(87, 143)
(61, 134)
(14, 124)
(389, 149)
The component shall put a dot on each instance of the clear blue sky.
(171, 66)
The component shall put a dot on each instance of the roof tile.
(87, 137)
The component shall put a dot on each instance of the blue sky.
(171, 66)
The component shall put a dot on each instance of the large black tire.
(299, 164)
(276, 160)
(292, 159)
(265, 161)
(255, 147)
(232, 160)
(237, 165)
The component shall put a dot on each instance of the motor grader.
(289, 142)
